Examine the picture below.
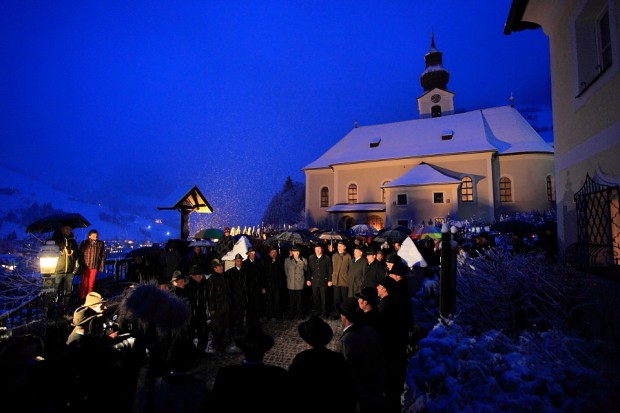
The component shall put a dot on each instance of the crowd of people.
(367, 289)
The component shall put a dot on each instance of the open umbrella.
(427, 231)
(209, 233)
(51, 223)
(364, 230)
(331, 235)
(298, 236)
(390, 235)
(143, 251)
(202, 243)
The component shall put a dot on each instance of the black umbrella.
(53, 222)
(143, 251)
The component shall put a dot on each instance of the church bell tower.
(436, 100)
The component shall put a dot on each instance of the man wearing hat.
(197, 294)
(295, 268)
(236, 277)
(375, 270)
(357, 269)
(394, 339)
(341, 260)
(255, 282)
(94, 306)
(314, 365)
(219, 304)
(224, 244)
(367, 300)
(361, 346)
(319, 277)
(252, 385)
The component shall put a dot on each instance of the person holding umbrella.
(65, 268)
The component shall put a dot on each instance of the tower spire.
(434, 75)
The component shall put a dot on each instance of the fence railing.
(31, 309)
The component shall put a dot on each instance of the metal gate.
(598, 227)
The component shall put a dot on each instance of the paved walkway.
(287, 344)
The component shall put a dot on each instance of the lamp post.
(48, 257)
(447, 278)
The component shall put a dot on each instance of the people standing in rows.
(375, 270)
(319, 278)
(91, 261)
(197, 294)
(252, 385)
(236, 277)
(275, 283)
(362, 349)
(394, 340)
(341, 260)
(224, 244)
(295, 268)
(317, 362)
(170, 260)
(66, 267)
(357, 269)
(255, 282)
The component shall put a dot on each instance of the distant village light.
(48, 257)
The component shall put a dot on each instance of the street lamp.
(48, 257)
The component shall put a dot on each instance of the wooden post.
(447, 278)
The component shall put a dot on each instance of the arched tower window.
(467, 189)
(383, 189)
(324, 197)
(505, 189)
(352, 194)
(436, 111)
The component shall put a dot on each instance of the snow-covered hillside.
(21, 196)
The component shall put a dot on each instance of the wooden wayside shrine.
(187, 200)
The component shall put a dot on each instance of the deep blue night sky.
(120, 97)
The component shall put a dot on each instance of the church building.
(474, 165)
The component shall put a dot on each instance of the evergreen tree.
(287, 206)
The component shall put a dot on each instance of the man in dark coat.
(313, 365)
(256, 287)
(224, 244)
(236, 277)
(319, 277)
(275, 284)
(196, 291)
(218, 299)
(66, 268)
(252, 385)
(361, 346)
(375, 270)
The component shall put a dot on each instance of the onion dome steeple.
(434, 75)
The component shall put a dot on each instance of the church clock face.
(435, 98)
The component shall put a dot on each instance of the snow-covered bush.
(513, 346)
(454, 371)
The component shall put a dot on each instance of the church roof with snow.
(501, 129)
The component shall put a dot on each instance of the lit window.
(375, 221)
(505, 190)
(324, 197)
(467, 189)
(550, 192)
(438, 198)
(401, 199)
(352, 194)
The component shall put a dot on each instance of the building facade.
(584, 40)
(473, 165)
